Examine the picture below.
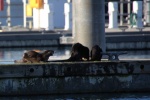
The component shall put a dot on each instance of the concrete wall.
(77, 77)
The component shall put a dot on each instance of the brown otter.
(27, 59)
(35, 57)
(96, 53)
(78, 52)
(46, 54)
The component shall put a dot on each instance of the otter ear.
(51, 52)
(25, 55)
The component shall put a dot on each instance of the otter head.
(46, 54)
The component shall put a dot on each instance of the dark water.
(99, 96)
(8, 55)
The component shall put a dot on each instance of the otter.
(40, 56)
(96, 53)
(35, 57)
(79, 52)
(27, 59)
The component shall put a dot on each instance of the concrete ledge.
(77, 77)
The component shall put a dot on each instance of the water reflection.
(137, 54)
(8, 55)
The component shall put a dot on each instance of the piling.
(88, 22)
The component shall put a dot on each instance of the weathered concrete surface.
(78, 77)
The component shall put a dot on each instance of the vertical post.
(129, 10)
(46, 21)
(8, 13)
(121, 12)
(68, 15)
(90, 22)
(36, 18)
(39, 19)
(24, 13)
(73, 18)
(113, 14)
(148, 12)
(137, 9)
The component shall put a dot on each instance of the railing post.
(137, 9)
(113, 14)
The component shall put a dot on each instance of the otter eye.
(49, 52)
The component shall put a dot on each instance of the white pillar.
(24, 13)
(147, 11)
(113, 14)
(68, 16)
(36, 18)
(43, 18)
(129, 10)
(8, 13)
(137, 9)
(46, 17)
(121, 12)
(89, 22)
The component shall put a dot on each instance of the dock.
(75, 77)
(116, 39)
(112, 75)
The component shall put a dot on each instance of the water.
(98, 96)
(8, 55)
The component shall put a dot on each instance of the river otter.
(96, 53)
(35, 57)
(79, 52)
